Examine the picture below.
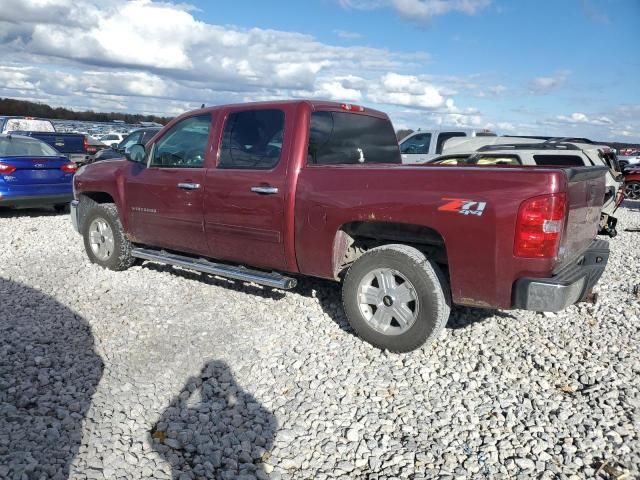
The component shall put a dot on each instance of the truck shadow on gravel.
(30, 212)
(213, 429)
(327, 293)
(49, 372)
(330, 299)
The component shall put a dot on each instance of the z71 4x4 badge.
(463, 206)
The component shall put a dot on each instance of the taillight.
(85, 144)
(351, 107)
(539, 226)
(69, 167)
(6, 169)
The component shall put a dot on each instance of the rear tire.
(104, 238)
(395, 298)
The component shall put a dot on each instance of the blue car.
(33, 173)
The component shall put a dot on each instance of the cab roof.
(315, 105)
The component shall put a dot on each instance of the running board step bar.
(201, 265)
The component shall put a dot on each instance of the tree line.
(10, 106)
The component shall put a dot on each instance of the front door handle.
(189, 186)
(265, 190)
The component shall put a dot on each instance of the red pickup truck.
(316, 188)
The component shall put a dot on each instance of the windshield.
(25, 147)
(28, 125)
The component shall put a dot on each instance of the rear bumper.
(73, 213)
(570, 285)
(80, 157)
(35, 200)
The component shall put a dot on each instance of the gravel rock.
(165, 373)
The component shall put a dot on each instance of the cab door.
(246, 195)
(165, 197)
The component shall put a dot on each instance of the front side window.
(443, 137)
(252, 139)
(418, 144)
(338, 138)
(184, 145)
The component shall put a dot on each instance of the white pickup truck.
(425, 145)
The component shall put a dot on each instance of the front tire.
(395, 298)
(104, 238)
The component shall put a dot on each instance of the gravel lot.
(162, 373)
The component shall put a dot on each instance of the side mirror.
(135, 153)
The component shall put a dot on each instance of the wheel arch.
(88, 200)
(355, 238)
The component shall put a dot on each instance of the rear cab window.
(28, 125)
(342, 138)
(559, 160)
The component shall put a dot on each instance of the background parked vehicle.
(32, 173)
(317, 188)
(74, 146)
(112, 139)
(632, 182)
(625, 160)
(94, 146)
(142, 136)
(538, 151)
(424, 145)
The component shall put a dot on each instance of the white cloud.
(543, 85)
(419, 10)
(406, 90)
(579, 118)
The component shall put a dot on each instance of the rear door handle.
(265, 190)
(189, 186)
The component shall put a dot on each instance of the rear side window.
(559, 160)
(443, 137)
(252, 139)
(339, 138)
(418, 144)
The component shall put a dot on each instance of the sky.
(537, 67)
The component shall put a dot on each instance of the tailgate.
(63, 142)
(585, 195)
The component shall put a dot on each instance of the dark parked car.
(34, 173)
(142, 136)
